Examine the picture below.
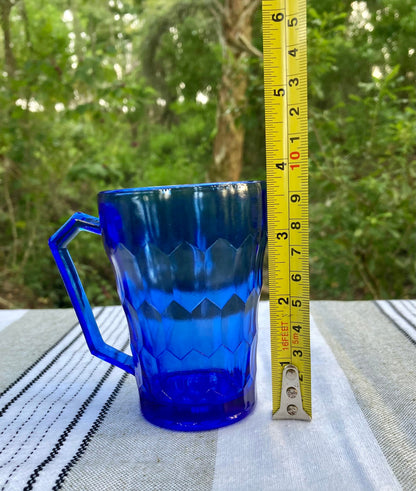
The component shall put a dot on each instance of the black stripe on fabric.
(394, 307)
(41, 373)
(45, 354)
(380, 308)
(408, 308)
(63, 437)
(94, 428)
(28, 402)
(61, 440)
(45, 415)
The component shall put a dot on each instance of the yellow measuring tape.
(286, 117)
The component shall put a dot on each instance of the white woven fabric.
(9, 316)
(47, 413)
(337, 450)
(71, 421)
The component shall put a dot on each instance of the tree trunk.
(235, 35)
(9, 60)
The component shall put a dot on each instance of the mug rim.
(150, 189)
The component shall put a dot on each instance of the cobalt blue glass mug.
(188, 266)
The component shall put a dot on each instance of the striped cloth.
(70, 421)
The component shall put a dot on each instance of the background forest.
(102, 94)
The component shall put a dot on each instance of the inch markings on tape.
(286, 122)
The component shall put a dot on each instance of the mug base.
(199, 415)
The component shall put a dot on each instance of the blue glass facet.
(188, 266)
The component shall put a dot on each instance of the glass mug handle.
(58, 244)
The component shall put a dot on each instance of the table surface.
(71, 421)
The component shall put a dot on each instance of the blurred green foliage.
(81, 111)
(362, 150)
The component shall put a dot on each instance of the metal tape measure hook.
(291, 398)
